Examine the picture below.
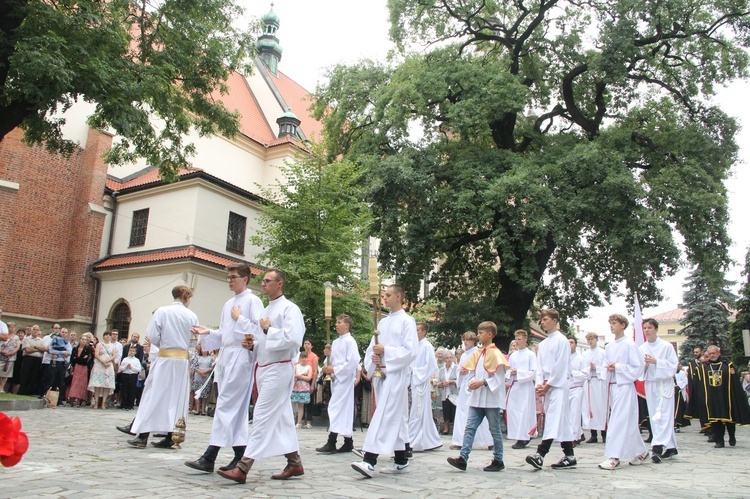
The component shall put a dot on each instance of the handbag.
(52, 396)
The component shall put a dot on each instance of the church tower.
(269, 49)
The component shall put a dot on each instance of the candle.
(328, 302)
(374, 282)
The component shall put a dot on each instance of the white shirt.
(130, 365)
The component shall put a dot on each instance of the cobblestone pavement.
(78, 453)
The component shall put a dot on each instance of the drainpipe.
(92, 274)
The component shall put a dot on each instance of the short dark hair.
(280, 275)
(653, 322)
(241, 269)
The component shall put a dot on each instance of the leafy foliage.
(707, 318)
(311, 229)
(152, 70)
(542, 154)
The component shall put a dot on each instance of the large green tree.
(312, 228)
(742, 319)
(544, 152)
(707, 318)
(152, 69)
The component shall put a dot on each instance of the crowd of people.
(83, 372)
(257, 360)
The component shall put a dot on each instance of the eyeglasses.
(232, 277)
(266, 281)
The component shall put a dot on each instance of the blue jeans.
(476, 415)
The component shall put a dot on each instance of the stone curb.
(22, 405)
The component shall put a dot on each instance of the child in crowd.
(301, 388)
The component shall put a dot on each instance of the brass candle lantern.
(328, 315)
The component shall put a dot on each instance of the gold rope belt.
(173, 353)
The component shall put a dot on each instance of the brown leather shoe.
(235, 474)
(289, 472)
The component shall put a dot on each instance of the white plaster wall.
(212, 220)
(148, 288)
(230, 162)
(75, 127)
(269, 105)
(171, 219)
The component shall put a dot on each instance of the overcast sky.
(316, 35)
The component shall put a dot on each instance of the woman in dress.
(102, 382)
(81, 359)
(203, 364)
(15, 380)
(301, 387)
(8, 350)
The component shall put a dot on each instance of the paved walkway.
(78, 453)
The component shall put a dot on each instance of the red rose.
(13, 442)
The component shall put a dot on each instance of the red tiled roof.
(172, 254)
(675, 315)
(149, 177)
(241, 99)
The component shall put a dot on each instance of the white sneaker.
(308, 426)
(610, 464)
(298, 425)
(366, 469)
(359, 453)
(639, 460)
(395, 469)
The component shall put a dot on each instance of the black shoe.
(655, 458)
(711, 439)
(657, 450)
(592, 440)
(732, 441)
(328, 448)
(201, 464)
(495, 465)
(232, 464)
(160, 435)
(669, 453)
(719, 445)
(409, 453)
(535, 460)
(347, 447)
(520, 444)
(165, 443)
(139, 443)
(566, 462)
(457, 462)
(126, 429)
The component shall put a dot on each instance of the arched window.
(120, 319)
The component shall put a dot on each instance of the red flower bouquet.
(13, 442)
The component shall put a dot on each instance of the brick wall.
(48, 235)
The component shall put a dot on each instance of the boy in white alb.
(624, 363)
(521, 402)
(343, 368)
